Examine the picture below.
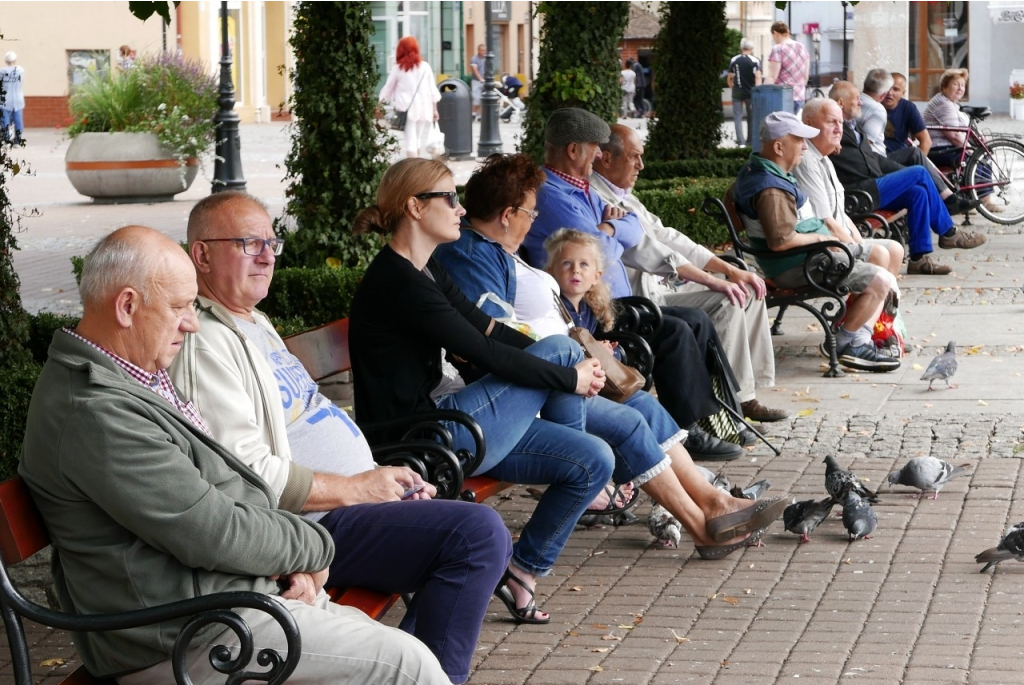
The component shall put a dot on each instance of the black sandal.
(592, 517)
(526, 614)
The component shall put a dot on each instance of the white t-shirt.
(14, 95)
(536, 291)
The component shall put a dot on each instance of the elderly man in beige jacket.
(672, 270)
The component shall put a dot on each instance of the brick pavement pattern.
(906, 606)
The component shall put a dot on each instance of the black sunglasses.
(453, 197)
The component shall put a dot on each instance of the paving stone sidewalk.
(906, 606)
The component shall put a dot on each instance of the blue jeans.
(552, 450)
(913, 189)
(451, 554)
(738, 108)
(7, 116)
(638, 430)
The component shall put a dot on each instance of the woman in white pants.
(412, 88)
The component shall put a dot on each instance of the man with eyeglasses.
(259, 401)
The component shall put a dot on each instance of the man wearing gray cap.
(572, 140)
(777, 217)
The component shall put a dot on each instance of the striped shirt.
(159, 382)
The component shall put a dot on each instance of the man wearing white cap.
(777, 217)
(12, 103)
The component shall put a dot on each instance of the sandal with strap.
(713, 552)
(525, 614)
(591, 517)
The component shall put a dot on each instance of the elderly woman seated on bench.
(259, 401)
(777, 216)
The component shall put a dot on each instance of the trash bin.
(455, 117)
(763, 101)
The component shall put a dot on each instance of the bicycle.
(995, 164)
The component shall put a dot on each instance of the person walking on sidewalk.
(12, 107)
(789, 64)
(744, 74)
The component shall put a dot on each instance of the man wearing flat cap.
(572, 140)
(777, 216)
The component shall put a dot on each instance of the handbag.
(399, 119)
(435, 142)
(620, 381)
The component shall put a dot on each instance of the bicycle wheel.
(1000, 167)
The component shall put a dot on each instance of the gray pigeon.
(858, 517)
(719, 480)
(664, 526)
(753, 491)
(803, 517)
(927, 474)
(942, 367)
(1010, 547)
(838, 482)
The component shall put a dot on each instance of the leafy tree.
(689, 105)
(337, 155)
(579, 65)
(14, 320)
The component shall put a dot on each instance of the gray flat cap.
(574, 125)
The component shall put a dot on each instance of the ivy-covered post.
(337, 155)
(689, 98)
(579, 64)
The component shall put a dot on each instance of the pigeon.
(1010, 547)
(858, 517)
(927, 474)
(719, 480)
(752, 491)
(664, 526)
(838, 482)
(942, 367)
(803, 517)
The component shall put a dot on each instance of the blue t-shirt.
(904, 122)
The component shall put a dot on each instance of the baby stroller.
(509, 104)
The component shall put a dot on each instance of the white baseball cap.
(779, 124)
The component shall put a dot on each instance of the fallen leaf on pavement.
(805, 412)
(50, 663)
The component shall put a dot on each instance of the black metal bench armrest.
(635, 314)
(636, 352)
(734, 260)
(860, 220)
(859, 202)
(426, 426)
(434, 462)
(204, 611)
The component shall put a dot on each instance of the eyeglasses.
(453, 197)
(532, 212)
(253, 246)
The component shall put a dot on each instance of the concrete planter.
(1017, 109)
(126, 167)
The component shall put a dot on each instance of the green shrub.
(679, 208)
(337, 155)
(689, 48)
(305, 297)
(579, 65)
(41, 330)
(717, 167)
(17, 382)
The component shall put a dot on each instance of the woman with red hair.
(412, 88)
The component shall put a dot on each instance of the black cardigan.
(857, 166)
(400, 320)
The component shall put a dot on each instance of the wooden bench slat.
(372, 603)
(22, 532)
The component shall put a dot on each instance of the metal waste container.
(455, 117)
(763, 101)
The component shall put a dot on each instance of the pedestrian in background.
(627, 80)
(744, 74)
(641, 85)
(12, 106)
(412, 88)
(476, 65)
(789, 64)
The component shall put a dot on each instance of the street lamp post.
(227, 168)
(490, 140)
(846, 47)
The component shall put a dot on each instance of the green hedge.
(305, 297)
(42, 328)
(17, 383)
(678, 206)
(721, 166)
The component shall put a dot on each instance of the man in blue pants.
(895, 187)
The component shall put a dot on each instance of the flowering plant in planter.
(1017, 91)
(168, 95)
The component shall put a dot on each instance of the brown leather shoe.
(754, 410)
(926, 267)
(962, 240)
